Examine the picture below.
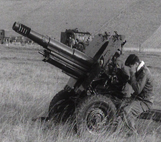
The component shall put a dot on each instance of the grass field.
(27, 84)
(27, 87)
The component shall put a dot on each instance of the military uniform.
(142, 98)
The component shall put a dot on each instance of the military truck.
(93, 93)
(76, 39)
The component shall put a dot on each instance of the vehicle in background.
(76, 39)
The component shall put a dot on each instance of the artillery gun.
(92, 95)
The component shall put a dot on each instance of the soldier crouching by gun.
(141, 100)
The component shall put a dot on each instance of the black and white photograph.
(80, 71)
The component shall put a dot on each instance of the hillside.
(136, 19)
(154, 40)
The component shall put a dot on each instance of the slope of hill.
(51, 17)
(136, 19)
(154, 40)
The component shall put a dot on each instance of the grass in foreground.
(27, 87)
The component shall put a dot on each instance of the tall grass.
(26, 89)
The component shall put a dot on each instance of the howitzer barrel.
(71, 61)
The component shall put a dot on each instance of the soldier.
(142, 98)
(71, 41)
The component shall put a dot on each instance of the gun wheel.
(62, 107)
(95, 116)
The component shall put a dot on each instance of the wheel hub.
(96, 120)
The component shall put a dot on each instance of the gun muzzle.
(21, 29)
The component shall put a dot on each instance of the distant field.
(27, 87)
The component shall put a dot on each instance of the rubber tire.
(62, 107)
(81, 47)
(84, 110)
